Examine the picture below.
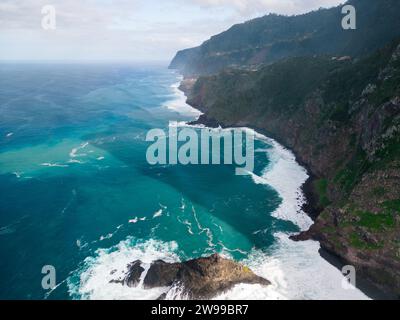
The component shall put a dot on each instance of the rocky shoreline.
(197, 279)
(311, 206)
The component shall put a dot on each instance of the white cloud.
(288, 7)
(126, 29)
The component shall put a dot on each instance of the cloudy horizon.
(127, 30)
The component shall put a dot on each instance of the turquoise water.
(74, 179)
(77, 193)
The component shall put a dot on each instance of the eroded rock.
(201, 278)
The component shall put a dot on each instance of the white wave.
(75, 161)
(81, 244)
(178, 102)
(162, 206)
(48, 164)
(108, 236)
(100, 158)
(227, 252)
(92, 281)
(73, 195)
(183, 205)
(188, 225)
(134, 220)
(287, 177)
(297, 272)
(18, 174)
(202, 229)
(185, 124)
(74, 151)
(158, 214)
(178, 124)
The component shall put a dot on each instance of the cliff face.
(271, 38)
(342, 119)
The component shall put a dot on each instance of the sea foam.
(94, 279)
(178, 102)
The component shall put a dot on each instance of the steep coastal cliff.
(274, 37)
(342, 119)
(334, 99)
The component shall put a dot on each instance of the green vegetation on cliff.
(273, 37)
(332, 96)
(342, 119)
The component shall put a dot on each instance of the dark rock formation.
(161, 274)
(135, 270)
(201, 278)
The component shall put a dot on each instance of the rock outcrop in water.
(202, 278)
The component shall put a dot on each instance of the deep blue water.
(73, 172)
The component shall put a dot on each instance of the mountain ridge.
(274, 37)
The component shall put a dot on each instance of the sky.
(126, 30)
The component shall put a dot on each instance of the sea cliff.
(341, 117)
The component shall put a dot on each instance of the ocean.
(78, 194)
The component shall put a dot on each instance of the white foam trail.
(92, 281)
(202, 229)
(75, 161)
(136, 219)
(287, 177)
(178, 103)
(188, 225)
(297, 272)
(183, 205)
(81, 244)
(74, 151)
(48, 164)
(69, 202)
(108, 236)
(18, 174)
(157, 214)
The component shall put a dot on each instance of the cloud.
(126, 29)
(24, 14)
(288, 7)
